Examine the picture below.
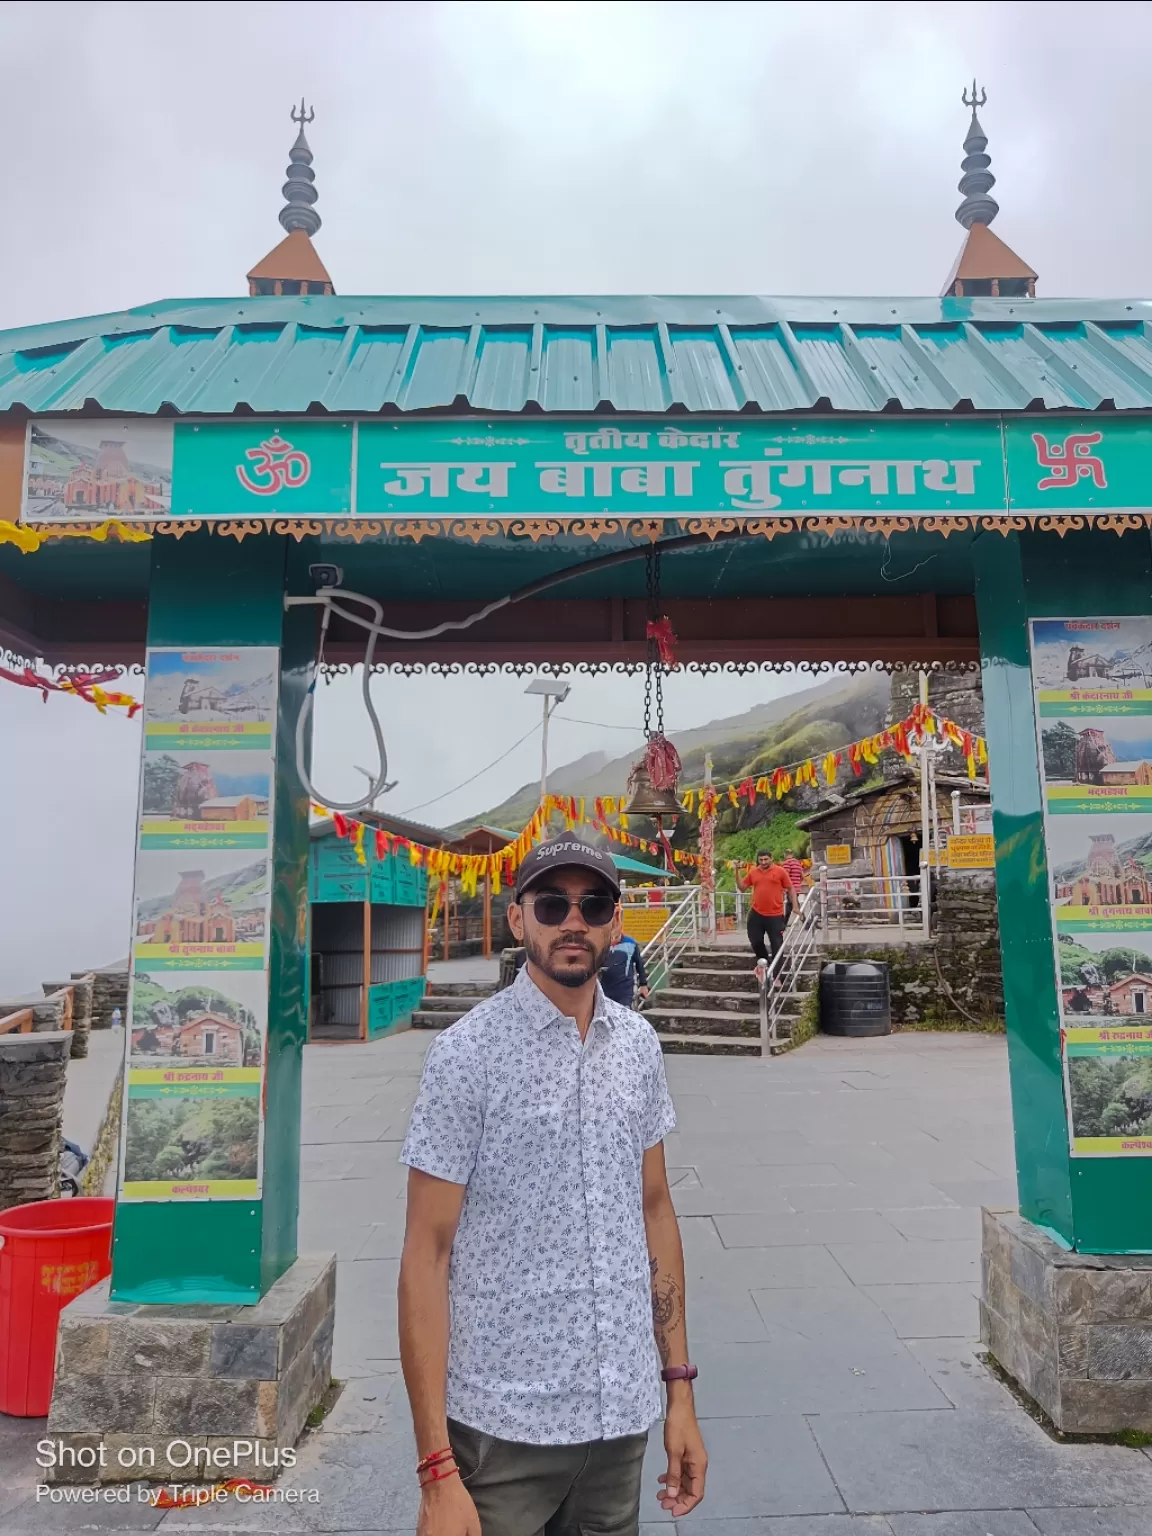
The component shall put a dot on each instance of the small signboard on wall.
(644, 923)
(838, 853)
(974, 850)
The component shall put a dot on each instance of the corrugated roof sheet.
(641, 354)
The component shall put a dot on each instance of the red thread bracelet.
(433, 1457)
(433, 1475)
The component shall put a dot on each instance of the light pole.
(554, 693)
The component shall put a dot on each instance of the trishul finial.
(299, 211)
(978, 98)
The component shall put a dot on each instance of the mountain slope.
(809, 722)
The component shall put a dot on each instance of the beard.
(568, 972)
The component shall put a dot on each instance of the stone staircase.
(709, 1004)
(446, 1001)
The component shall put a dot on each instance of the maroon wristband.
(679, 1373)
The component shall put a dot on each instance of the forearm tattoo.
(667, 1309)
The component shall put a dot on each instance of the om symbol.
(275, 465)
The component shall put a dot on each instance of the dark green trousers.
(551, 1490)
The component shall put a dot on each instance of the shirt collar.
(539, 1011)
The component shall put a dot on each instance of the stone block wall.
(917, 995)
(81, 1019)
(49, 1014)
(967, 930)
(109, 991)
(955, 978)
(33, 1070)
(1074, 1330)
(166, 1391)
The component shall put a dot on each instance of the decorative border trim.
(409, 668)
(30, 536)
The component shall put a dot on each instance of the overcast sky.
(513, 148)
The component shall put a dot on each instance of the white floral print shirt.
(551, 1336)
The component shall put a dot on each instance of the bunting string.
(920, 726)
(88, 686)
(471, 869)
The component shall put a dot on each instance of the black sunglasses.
(551, 908)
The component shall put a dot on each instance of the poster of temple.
(1092, 684)
(198, 1019)
(210, 700)
(205, 799)
(1101, 872)
(82, 471)
(1092, 666)
(182, 1144)
(1105, 976)
(1096, 763)
(1108, 1089)
(198, 998)
(200, 910)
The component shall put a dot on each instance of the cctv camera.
(326, 575)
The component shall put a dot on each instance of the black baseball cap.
(566, 852)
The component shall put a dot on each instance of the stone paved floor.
(829, 1204)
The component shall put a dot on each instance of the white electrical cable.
(376, 785)
(325, 598)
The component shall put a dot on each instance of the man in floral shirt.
(542, 1281)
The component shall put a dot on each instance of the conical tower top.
(977, 180)
(294, 267)
(985, 267)
(299, 190)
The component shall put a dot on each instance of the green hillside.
(1121, 960)
(807, 723)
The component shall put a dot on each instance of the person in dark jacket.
(624, 978)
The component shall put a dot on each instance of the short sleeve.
(660, 1119)
(448, 1116)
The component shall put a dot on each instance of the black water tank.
(854, 998)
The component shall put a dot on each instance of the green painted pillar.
(1091, 1204)
(211, 593)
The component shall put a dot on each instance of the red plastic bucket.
(50, 1251)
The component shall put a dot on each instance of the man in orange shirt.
(771, 888)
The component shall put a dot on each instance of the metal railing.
(680, 930)
(780, 982)
(654, 895)
(873, 901)
(830, 909)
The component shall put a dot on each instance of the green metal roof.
(638, 867)
(636, 354)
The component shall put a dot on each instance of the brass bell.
(644, 800)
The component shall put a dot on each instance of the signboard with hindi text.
(468, 467)
(838, 853)
(971, 851)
